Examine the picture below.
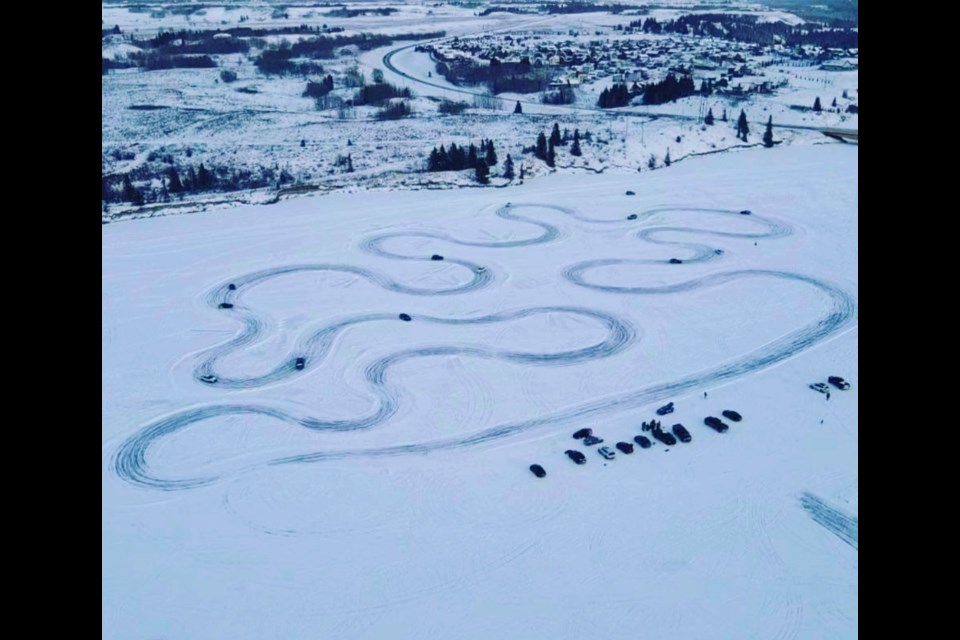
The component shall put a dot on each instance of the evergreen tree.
(575, 147)
(666, 159)
(349, 163)
(174, 185)
(472, 157)
(834, 103)
(555, 135)
(768, 133)
(443, 161)
(709, 119)
(130, 193)
(191, 183)
(541, 151)
(303, 143)
(652, 162)
(816, 105)
(724, 116)
(742, 127)
(518, 108)
(508, 168)
(491, 156)
(433, 161)
(482, 172)
(204, 179)
(522, 172)
(566, 136)
(106, 193)
(551, 156)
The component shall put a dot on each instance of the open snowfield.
(383, 491)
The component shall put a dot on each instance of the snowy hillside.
(382, 490)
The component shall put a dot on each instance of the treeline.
(319, 89)
(499, 77)
(278, 59)
(460, 158)
(616, 96)
(669, 89)
(546, 147)
(343, 12)
(153, 61)
(379, 93)
(749, 28)
(174, 183)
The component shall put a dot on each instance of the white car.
(820, 386)
(607, 453)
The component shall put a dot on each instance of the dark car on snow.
(209, 378)
(232, 287)
(592, 440)
(839, 382)
(436, 256)
(665, 437)
(225, 305)
(537, 470)
(681, 432)
(582, 433)
(643, 441)
(405, 317)
(745, 212)
(625, 447)
(665, 409)
(676, 261)
(716, 424)
(300, 363)
(730, 414)
(576, 456)
(632, 216)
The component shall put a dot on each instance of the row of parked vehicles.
(676, 433)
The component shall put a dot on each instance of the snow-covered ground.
(383, 491)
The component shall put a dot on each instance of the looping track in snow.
(130, 461)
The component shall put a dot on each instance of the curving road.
(130, 461)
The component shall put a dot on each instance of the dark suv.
(576, 456)
(681, 432)
(716, 424)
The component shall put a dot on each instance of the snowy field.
(383, 490)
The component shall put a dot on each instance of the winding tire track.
(130, 461)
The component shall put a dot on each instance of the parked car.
(436, 256)
(820, 386)
(630, 193)
(643, 441)
(225, 305)
(576, 456)
(405, 317)
(582, 433)
(665, 437)
(665, 409)
(681, 432)
(632, 216)
(592, 440)
(716, 424)
(839, 382)
(300, 363)
(732, 415)
(625, 447)
(232, 287)
(745, 212)
(676, 261)
(209, 378)
(607, 453)
(719, 252)
(537, 470)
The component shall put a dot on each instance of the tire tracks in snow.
(130, 461)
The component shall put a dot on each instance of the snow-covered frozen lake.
(383, 490)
